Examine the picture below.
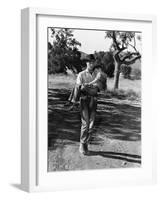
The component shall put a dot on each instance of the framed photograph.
(86, 99)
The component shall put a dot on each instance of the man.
(88, 104)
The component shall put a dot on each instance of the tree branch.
(116, 54)
(134, 42)
(123, 48)
(130, 55)
(115, 41)
(129, 62)
(133, 47)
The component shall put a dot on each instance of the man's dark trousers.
(88, 106)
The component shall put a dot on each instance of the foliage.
(63, 54)
(126, 71)
(105, 59)
(136, 74)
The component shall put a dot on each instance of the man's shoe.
(83, 149)
(86, 147)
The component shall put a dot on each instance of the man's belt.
(88, 97)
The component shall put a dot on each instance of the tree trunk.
(117, 75)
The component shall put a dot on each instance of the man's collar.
(89, 71)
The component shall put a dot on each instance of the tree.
(108, 62)
(64, 52)
(105, 59)
(124, 50)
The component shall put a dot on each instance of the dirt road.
(115, 142)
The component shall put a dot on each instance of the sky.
(92, 40)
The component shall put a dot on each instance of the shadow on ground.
(114, 155)
(115, 119)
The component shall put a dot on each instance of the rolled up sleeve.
(79, 79)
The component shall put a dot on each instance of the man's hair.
(90, 58)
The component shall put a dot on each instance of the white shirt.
(84, 77)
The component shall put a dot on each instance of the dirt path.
(115, 142)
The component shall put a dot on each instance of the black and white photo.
(94, 99)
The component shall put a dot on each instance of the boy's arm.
(76, 92)
(95, 80)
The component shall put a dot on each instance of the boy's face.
(97, 70)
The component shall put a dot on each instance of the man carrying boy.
(88, 104)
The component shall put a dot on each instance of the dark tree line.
(64, 54)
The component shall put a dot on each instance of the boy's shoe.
(68, 103)
(74, 107)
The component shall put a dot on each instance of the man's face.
(90, 65)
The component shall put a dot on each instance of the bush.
(110, 70)
(136, 74)
(126, 71)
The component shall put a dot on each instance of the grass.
(125, 84)
(128, 89)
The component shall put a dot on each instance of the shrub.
(110, 70)
(136, 74)
(126, 71)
